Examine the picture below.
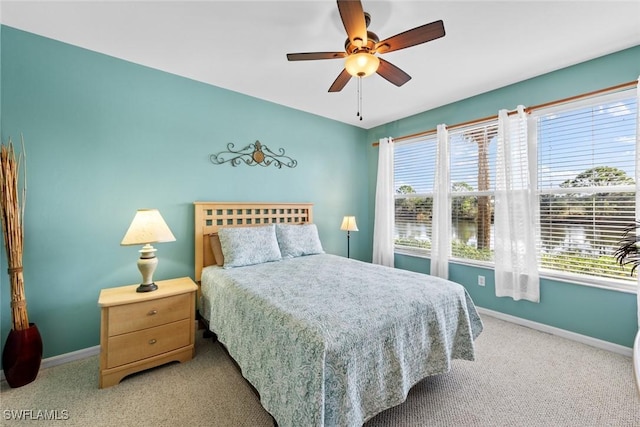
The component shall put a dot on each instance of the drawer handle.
(152, 313)
(152, 341)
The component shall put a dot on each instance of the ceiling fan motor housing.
(372, 40)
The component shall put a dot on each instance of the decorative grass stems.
(12, 203)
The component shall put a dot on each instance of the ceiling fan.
(362, 46)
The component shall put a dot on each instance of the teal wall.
(604, 314)
(105, 137)
(89, 120)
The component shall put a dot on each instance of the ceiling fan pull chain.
(359, 98)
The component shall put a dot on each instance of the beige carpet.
(521, 377)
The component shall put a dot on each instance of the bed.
(324, 340)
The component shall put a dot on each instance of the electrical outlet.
(480, 280)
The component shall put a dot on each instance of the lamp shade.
(361, 64)
(147, 226)
(349, 224)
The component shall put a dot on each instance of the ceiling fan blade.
(412, 37)
(340, 82)
(392, 73)
(352, 16)
(315, 55)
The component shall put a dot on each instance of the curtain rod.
(527, 110)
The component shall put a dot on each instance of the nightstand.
(141, 330)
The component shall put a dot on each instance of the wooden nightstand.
(141, 330)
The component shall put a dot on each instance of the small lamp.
(147, 227)
(349, 225)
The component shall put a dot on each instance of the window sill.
(595, 282)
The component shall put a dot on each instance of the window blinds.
(414, 171)
(586, 170)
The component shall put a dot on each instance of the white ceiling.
(242, 45)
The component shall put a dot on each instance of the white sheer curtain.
(638, 192)
(636, 342)
(385, 206)
(441, 218)
(516, 210)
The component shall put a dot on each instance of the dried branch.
(12, 215)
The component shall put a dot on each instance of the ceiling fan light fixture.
(361, 64)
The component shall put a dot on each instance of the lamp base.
(147, 265)
(147, 287)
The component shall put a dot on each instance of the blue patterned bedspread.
(331, 341)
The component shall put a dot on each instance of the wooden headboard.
(210, 216)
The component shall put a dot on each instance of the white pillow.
(248, 245)
(298, 239)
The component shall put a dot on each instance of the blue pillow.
(248, 245)
(298, 240)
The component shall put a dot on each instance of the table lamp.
(147, 227)
(349, 225)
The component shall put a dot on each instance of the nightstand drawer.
(139, 345)
(133, 317)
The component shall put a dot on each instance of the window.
(472, 176)
(586, 171)
(585, 183)
(414, 171)
(472, 152)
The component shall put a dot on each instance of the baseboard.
(65, 358)
(594, 342)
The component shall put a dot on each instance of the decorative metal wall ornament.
(254, 154)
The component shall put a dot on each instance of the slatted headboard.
(210, 216)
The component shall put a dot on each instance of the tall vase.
(22, 355)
